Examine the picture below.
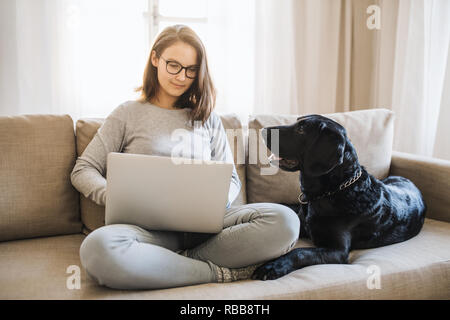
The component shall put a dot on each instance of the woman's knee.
(100, 251)
(284, 227)
(101, 241)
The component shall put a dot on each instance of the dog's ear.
(325, 153)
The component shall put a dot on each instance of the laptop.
(166, 193)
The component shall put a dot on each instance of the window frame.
(154, 18)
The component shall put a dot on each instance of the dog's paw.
(273, 270)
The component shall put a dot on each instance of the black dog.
(342, 207)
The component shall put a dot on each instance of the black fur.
(367, 214)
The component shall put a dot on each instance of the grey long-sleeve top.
(143, 128)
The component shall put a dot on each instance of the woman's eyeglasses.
(174, 67)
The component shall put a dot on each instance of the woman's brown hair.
(201, 96)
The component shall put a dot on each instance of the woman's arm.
(221, 151)
(89, 172)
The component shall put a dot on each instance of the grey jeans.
(123, 256)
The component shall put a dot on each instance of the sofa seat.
(415, 269)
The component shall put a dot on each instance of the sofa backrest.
(93, 215)
(37, 155)
(370, 131)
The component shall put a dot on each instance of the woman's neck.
(164, 102)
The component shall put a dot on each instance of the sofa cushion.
(236, 139)
(415, 269)
(370, 131)
(93, 215)
(36, 159)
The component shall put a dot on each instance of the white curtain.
(79, 57)
(275, 77)
(319, 56)
(420, 92)
(229, 39)
(85, 57)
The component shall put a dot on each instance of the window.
(164, 13)
(226, 28)
(84, 57)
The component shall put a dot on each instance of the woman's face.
(174, 85)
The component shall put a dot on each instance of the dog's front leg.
(297, 259)
(303, 257)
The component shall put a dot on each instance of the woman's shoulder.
(214, 119)
(124, 108)
(214, 124)
(129, 104)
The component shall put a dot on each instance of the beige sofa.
(43, 219)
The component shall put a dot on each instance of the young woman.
(177, 91)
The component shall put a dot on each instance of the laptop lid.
(166, 193)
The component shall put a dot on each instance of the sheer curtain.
(229, 39)
(231, 52)
(420, 92)
(276, 86)
(319, 56)
(76, 57)
(85, 57)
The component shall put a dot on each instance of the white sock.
(223, 274)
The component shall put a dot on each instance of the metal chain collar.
(344, 185)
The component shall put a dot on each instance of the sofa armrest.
(431, 176)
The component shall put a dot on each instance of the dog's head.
(314, 145)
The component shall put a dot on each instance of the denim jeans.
(123, 256)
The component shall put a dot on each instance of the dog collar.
(344, 185)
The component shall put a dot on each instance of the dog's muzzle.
(277, 161)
